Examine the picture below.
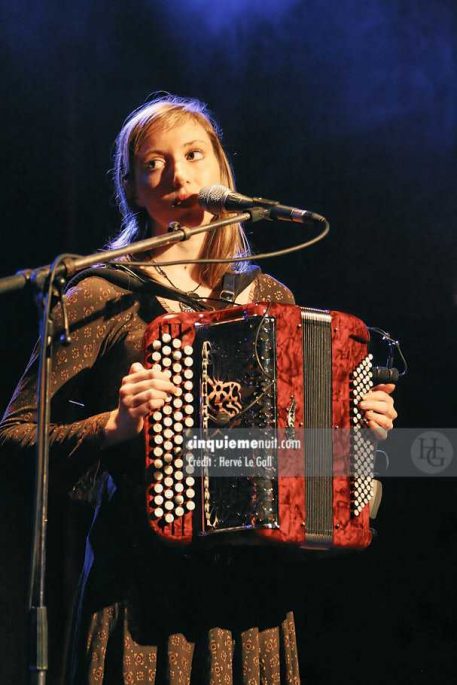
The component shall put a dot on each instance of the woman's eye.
(195, 155)
(153, 164)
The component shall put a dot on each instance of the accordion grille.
(317, 384)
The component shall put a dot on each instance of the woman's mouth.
(185, 201)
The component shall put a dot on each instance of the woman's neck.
(183, 276)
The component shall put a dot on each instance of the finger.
(137, 367)
(136, 373)
(142, 374)
(135, 400)
(378, 395)
(379, 432)
(380, 419)
(380, 407)
(145, 408)
(385, 387)
(149, 384)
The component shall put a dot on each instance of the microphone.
(217, 198)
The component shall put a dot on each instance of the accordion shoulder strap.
(234, 282)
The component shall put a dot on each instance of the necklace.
(159, 270)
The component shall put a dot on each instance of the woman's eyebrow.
(150, 151)
(193, 142)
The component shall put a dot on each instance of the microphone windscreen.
(213, 197)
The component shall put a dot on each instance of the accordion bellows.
(273, 369)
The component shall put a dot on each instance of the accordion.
(260, 369)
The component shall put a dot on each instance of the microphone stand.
(43, 279)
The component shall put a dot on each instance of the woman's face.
(171, 167)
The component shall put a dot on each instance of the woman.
(147, 613)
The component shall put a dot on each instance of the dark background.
(344, 107)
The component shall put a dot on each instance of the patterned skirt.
(255, 656)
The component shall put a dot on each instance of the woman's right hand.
(142, 391)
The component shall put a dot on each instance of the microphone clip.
(259, 213)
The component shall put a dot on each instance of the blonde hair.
(170, 111)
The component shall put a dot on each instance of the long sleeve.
(84, 381)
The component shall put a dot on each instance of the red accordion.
(270, 369)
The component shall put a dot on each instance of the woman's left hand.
(378, 409)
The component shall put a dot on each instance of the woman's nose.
(180, 174)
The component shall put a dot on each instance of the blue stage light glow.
(366, 66)
(218, 15)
